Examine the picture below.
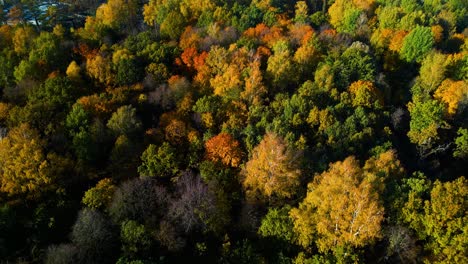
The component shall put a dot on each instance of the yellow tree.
(452, 94)
(273, 170)
(117, 13)
(99, 68)
(341, 209)
(25, 170)
(364, 93)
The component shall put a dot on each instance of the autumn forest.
(222, 131)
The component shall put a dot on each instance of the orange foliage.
(189, 38)
(452, 93)
(188, 55)
(438, 33)
(95, 104)
(301, 33)
(85, 51)
(397, 41)
(381, 38)
(225, 149)
(366, 5)
(267, 35)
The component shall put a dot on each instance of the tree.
(197, 207)
(278, 225)
(142, 200)
(426, 119)
(461, 142)
(128, 72)
(417, 44)
(364, 93)
(225, 149)
(342, 208)
(94, 237)
(124, 121)
(99, 68)
(118, 14)
(100, 195)
(135, 238)
(25, 169)
(73, 71)
(159, 162)
(433, 70)
(441, 220)
(280, 69)
(273, 170)
(454, 94)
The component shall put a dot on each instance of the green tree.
(426, 118)
(135, 238)
(100, 195)
(128, 71)
(278, 225)
(461, 142)
(417, 44)
(440, 220)
(124, 121)
(159, 161)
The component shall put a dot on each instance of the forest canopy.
(221, 131)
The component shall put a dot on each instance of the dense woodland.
(221, 131)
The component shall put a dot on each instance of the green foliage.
(124, 121)
(99, 196)
(159, 162)
(277, 225)
(135, 238)
(426, 119)
(461, 142)
(417, 44)
(190, 129)
(128, 72)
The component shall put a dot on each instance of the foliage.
(417, 44)
(124, 121)
(160, 162)
(225, 149)
(273, 170)
(230, 131)
(99, 196)
(342, 208)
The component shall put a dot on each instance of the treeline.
(264, 131)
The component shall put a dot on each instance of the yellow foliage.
(364, 93)
(6, 36)
(73, 71)
(366, 5)
(341, 208)
(4, 110)
(121, 54)
(99, 68)
(273, 170)
(452, 93)
(254, 90)
(438, 33)
(22, 39)
(24, 169)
